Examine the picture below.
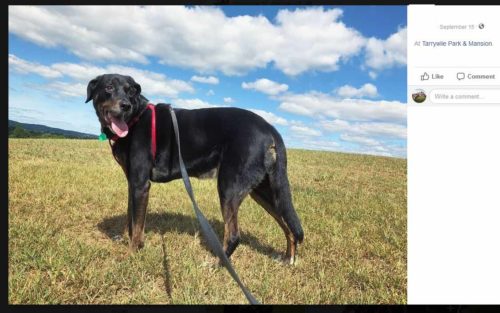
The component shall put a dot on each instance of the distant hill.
(24, 130)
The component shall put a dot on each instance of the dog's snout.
(125, 105)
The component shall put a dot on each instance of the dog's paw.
(286, 260)
(292, 260)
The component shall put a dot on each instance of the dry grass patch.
(67, 202)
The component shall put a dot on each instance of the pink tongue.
(119, 127)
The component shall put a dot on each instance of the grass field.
(67, 204)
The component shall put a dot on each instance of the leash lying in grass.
(207, 230)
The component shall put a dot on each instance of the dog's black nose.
(125, 105)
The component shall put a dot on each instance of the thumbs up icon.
(425, 76)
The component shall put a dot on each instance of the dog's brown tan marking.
(109, 105)
(272, 151)
(290, 240)
(138, 218)
(229, 210)
(270, 157)
(104, 107)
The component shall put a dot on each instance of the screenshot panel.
(364, 154)
(453, 154)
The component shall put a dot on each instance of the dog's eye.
(131, 92)
(109, 88)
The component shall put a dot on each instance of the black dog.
(245, 152)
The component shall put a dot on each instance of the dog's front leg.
(137, 207)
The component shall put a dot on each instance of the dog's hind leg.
(263, 195)
(234, 183)
(229, 209)
(277, 189)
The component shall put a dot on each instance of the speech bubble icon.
(460, 75)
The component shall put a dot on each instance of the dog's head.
(117, 98)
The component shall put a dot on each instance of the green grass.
(68, 198)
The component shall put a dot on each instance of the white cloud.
(374, 127)
(68, 89)
(85, 31)
(367, 90)
(387, 130)
(359, 147)
(314, 39)
(266, 86)
(316, 104)
(371, 146)
(313, 144)
(299, 40)
(33, 107)
(322, 145)
(193, 104)
(360, 140)
(271, 117)
(26, 67)
(152, 83)
(205, 79)
(382, 54)
(379, 151)
(158, 100)
(398, 151)
(304, 131)
(294, 42)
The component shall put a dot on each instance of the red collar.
(133, 121)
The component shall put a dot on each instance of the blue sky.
(328, 78)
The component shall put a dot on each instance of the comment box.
(465, 96)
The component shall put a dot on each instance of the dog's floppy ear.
(91, 88)
(137, 87)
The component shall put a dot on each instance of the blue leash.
(207, 230)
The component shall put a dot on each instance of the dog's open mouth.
(118, 126)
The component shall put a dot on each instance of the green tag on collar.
(102, 137)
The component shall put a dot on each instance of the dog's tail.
(278, 180)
